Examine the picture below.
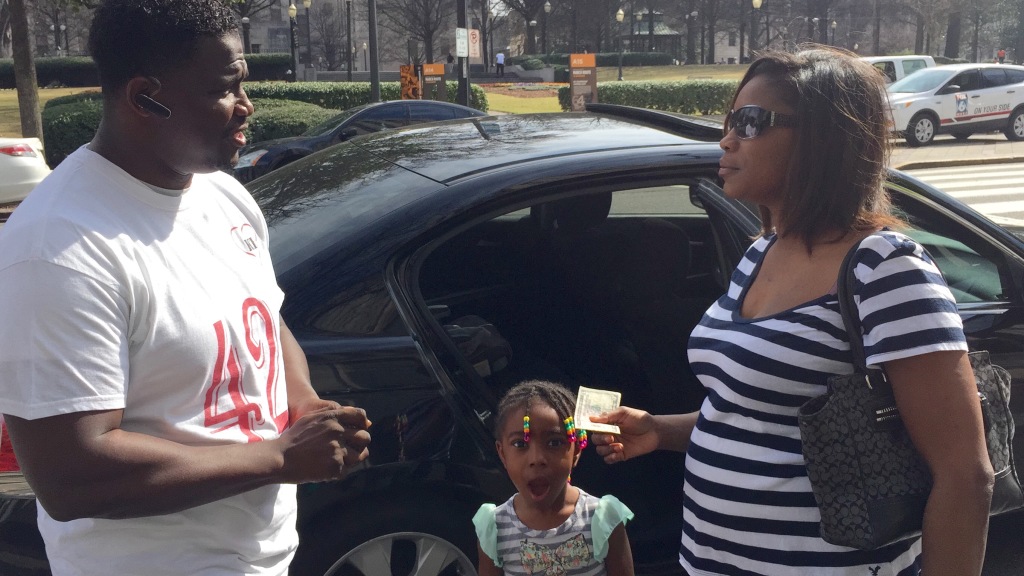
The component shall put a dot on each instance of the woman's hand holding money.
(638, 434)
(641, 433)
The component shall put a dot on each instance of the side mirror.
(950, 89)
(346, 134)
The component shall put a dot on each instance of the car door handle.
(1010, 91)
(976, 96)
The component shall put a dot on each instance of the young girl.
(549, 528)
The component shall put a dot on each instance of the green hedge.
(68, 126)
(344, 95)
(282, 109)
(283, 118)
(689, 97)
(71, 71)
(81, 70)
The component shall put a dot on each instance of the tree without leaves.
(250, 8)
(420, 20)
(328, 28)
(529, 10)
(25, 72)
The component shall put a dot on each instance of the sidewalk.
(987, 148)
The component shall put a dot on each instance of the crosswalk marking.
(992, 189)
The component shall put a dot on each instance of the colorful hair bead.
(526, 428)
(570, 429)
(583, 439)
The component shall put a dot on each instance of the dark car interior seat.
(625, 285)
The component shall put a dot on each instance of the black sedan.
(429, 269)
(259, 158)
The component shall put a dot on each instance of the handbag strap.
(851, 320)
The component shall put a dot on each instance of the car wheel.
(921, 130)
(962, 135)
(405, 527)
(404, 553)
(1015, 128)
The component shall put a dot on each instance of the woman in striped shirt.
(806, 140)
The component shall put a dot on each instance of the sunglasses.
(751, 121)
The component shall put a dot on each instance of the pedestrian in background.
(806, 140)
(499, 64)
(160, 408)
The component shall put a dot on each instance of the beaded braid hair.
(524, 394)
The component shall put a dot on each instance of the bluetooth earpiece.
(148, 104)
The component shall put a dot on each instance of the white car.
(896, 68)
(22, 166)
(958, 99)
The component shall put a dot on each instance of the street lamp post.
(544, 27)
(754, 21)
(365, 65)
(245, 35)
(349, 47)
(833, 26)
(309, 37)
(619, 17)
(811, 26)
(292, 11)
(531, 32)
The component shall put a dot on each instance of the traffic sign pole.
(462, 94)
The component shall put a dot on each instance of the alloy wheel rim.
(433, 557)
(923, 130)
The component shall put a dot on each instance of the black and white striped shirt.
(748, 503)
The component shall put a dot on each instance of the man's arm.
(302, 399)
(83, 465)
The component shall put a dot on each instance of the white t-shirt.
(118, 297)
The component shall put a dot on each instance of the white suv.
(959, 99)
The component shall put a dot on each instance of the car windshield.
(329, 125)
(920, 81)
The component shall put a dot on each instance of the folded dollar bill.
(591, 402)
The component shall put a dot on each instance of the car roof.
(477, 142)
(361, 193)
(970, 66)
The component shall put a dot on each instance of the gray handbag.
(869, 481)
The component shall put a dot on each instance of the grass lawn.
(656, 73)
(10, 117)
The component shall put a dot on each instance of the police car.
(958, 99)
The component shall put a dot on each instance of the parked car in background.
(958, 99)
(22, 166)
(898, 67)
(260, 158)
(429, 269)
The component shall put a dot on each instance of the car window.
(430, 113)
(920, 81)
(969, 80)
(911, 66)
(888, 69)
(380, 118)
(973, 271)
(993, 77)
(330, 124)
(1014, 76)
(658, 200)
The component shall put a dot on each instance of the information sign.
(474, 43)
(462, 42)
(582, 81)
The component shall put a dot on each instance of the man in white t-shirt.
(157, 403)
(499, 64)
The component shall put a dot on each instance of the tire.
(410, 526)
(962, 135)
(1015, 127)
(921, 130)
